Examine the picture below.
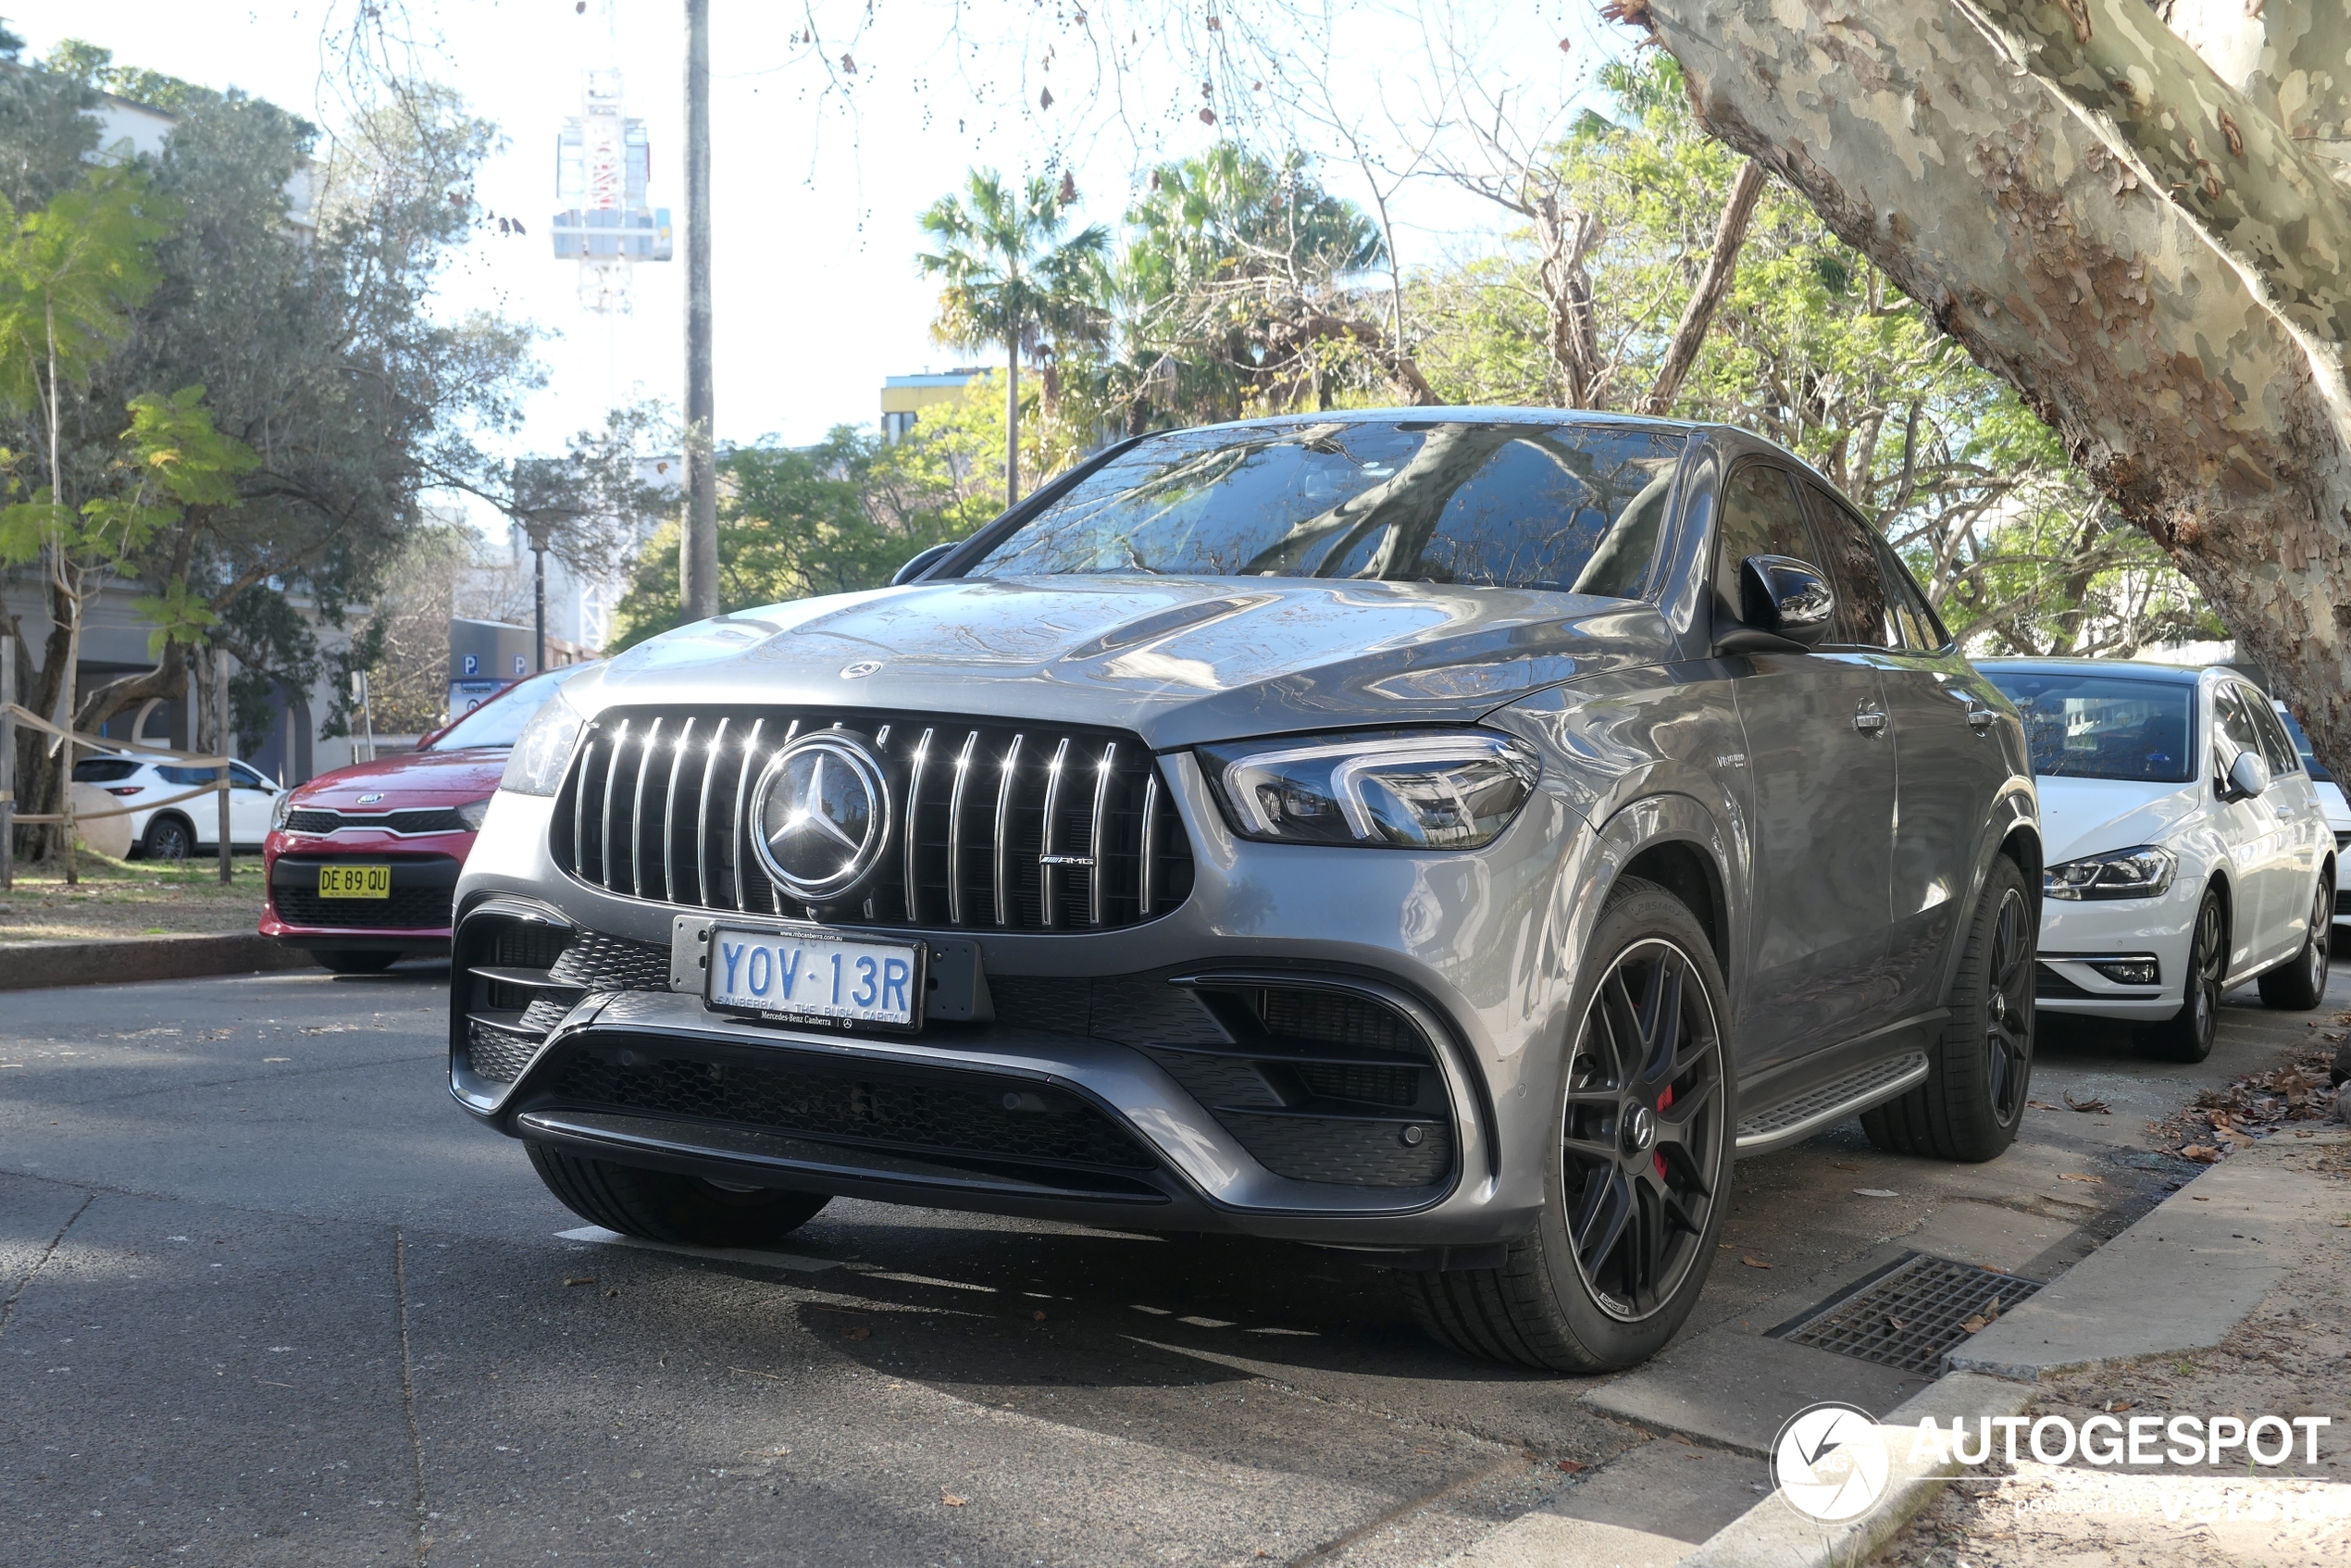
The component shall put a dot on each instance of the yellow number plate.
(354, 881)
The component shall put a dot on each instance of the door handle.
(1871, 723)
(1980, 720)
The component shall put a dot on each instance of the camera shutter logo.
(1831, 1462)
(822, 816)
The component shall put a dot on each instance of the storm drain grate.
(1908, 1316)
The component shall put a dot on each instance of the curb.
(1774, 1535)
(122, 960)
(2058, 1330)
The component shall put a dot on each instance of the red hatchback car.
(361, 863)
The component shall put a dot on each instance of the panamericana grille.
(972, 1114)
(417, 819)
(995, 826)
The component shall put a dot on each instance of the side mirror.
(922, 561)
(2248, 776)
(1785, 606)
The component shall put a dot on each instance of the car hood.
(1179, 660)
(2083, 817)
(408, 779)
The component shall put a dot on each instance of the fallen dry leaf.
(1570, 1466)
(2117, 1406)
(1677, 1437)
(2202, 1154)
(1977, 1323)
(861, 1332)
(583, 1279)
(1752, 1261)
(1896, 1325)
(2094, 1105)
(1036, 1317)
(2076, 1175)
(2040, 1105)
(949, 1499)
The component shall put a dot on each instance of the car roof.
(2173, 674)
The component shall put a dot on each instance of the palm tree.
(1012, 278)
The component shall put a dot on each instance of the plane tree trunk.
(2144, 228)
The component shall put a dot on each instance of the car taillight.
(126, 788)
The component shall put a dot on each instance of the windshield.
(499, 720)
(2301, 743)
(1567, 506)
(2103, 726)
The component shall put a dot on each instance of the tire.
(1638, 1185)
(1980, 1070)
(661, 1206)
(2302, 984)
(2187, 1035)
(357, 960)
(169, 837)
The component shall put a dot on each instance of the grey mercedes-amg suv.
(1453, 836)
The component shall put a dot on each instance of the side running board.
(1795, 1120)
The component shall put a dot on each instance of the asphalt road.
(268, 1296)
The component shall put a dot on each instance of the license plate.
(802, 975)
(354, 881)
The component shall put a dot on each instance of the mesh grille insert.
(1910, 1314)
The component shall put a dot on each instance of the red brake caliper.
(1663, 1102)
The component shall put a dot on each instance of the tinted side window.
(2234, 723)
(1863, 618)
(1760, 517)
(1920, 630)
(2277, 746)
(102, 770)
(187, 776)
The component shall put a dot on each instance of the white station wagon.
(2187, 848)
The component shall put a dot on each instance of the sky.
(825, 152)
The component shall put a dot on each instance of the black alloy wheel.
(2188, 1034)
(1980, 1068)
(169, 837)
(1635, 1200)
(1644, 1100)
(2008, 1030)
(2302, 984)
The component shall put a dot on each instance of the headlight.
(2141, 873)
(535, 765)
(472, 811)
(1398, 790)
(278, 810)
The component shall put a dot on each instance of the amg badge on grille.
(823, 815)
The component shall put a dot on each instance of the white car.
(2331, 801)
(184, 828)
(2187, 850)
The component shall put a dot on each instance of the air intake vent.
(993, 826)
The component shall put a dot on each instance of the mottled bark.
(2181, 344)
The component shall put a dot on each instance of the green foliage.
(1814, 349)
(70, 275)
(835, 517)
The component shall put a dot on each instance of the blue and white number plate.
(814, 975)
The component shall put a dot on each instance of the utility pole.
(539, 599)
(698, 541)
(221, 739)
(8, 762)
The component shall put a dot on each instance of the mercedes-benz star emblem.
(822, 816)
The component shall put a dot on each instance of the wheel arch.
(1671, 839)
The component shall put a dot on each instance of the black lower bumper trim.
(823, 1167)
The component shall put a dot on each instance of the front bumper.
(2076, 934)
(415, 918)
(1468, 946)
